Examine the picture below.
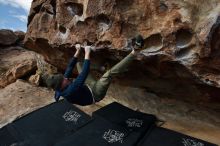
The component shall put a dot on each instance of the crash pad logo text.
(134, 123)
(71, 116)
(113, 136)
(191, 142)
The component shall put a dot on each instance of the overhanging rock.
(181, 55)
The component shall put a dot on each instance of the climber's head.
(139, 41)
(54, 81)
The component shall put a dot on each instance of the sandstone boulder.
(16, 62)
(181, 56)
(42, 69)
(18, 71)
(35, 79)
(20, 35)
(7, 37)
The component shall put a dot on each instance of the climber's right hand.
(87, 49)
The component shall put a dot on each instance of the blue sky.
(13, 14)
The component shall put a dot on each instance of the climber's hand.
(78, 47)
(87, 52)
(87, 49)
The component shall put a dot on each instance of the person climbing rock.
(85, 90)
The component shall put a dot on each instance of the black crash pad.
(164, 137)
(46, 125)
(126, 117)
(100, 132)
(6, 137)
(62, 124)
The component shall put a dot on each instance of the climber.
(85, 90)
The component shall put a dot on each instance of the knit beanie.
(54, 81)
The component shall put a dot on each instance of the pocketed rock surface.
(181, 53)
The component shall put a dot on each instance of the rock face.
(16, 62)
(19, 63)
(20, 35)
(181, 58)
(7, 37)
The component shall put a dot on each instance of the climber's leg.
(101, 86)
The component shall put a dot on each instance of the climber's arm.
(79, 81)
(81, 78)
(72, 62)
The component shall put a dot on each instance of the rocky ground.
(21, 97)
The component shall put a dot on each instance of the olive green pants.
(99, 87)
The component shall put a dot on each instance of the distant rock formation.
(181, 57)
(8, 37)
(20, 35)
(16, 62)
